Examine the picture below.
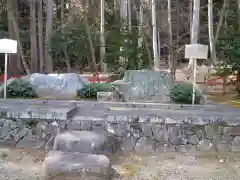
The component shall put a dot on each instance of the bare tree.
(195, 27)
(154, 37)
(171, 60)
(48, 64)
(33, 36)
(40, 36)
(102, 36)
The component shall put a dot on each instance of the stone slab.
(148, 85)
(75, 166)
(40, 111)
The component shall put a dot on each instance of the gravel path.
(177, 166)
(19, 164)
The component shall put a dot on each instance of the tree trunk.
(40, 36)
(16, 31)
(33, 37)
(171, 60)
(140, 31)
(102, 36)
(210, 32)
(238, 2)
(88, 31)
(194, 28)
(48, 65)
(154, 37)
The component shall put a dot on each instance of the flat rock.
(85, 142)
(76, 166)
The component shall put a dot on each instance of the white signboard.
(196, 51)
(8, 46)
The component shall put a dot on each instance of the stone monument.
(146, 85)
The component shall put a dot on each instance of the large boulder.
(86, 142)
(146, 85)
(76, 166)
(56, 86)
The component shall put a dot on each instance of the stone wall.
(141, 134)
(153, 133)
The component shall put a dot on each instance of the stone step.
(75, 166)
(86, 142)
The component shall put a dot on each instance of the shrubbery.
(21, 89)
(182, 93)
(90, 90)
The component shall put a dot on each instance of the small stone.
(232, 131)
(216, 140)
(226, 138)
(174, 135)
(147, 129)
(160, 132)
(172, 121)
(188, 132)
(205, 145)
(145, 145)
(199, 120)
(107, 96)
(223, 146)
(236, 144)
(212, 131)
(118, 129)
(98, 124)
(193, 139)
(226, 130)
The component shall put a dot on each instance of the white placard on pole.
(7, 46)
(195, 51)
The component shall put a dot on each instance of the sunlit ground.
(228, 99)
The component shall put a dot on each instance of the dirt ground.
(23, 164)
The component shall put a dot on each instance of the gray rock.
(85, 142)
(147, 129)
(128, 144)
(212, 131)
(63, 165)
(148, 85)
(232, 131)
(160, 132)
(174, 135)
(205, 145)
(145, 145)
(57, 86)
(98, 124)
(107, 96)
(216, 140)
(224, 146)
(27, 142)
(226, 130)
(119, 129)
(226, 138)
(236, 144)
(193, 139)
